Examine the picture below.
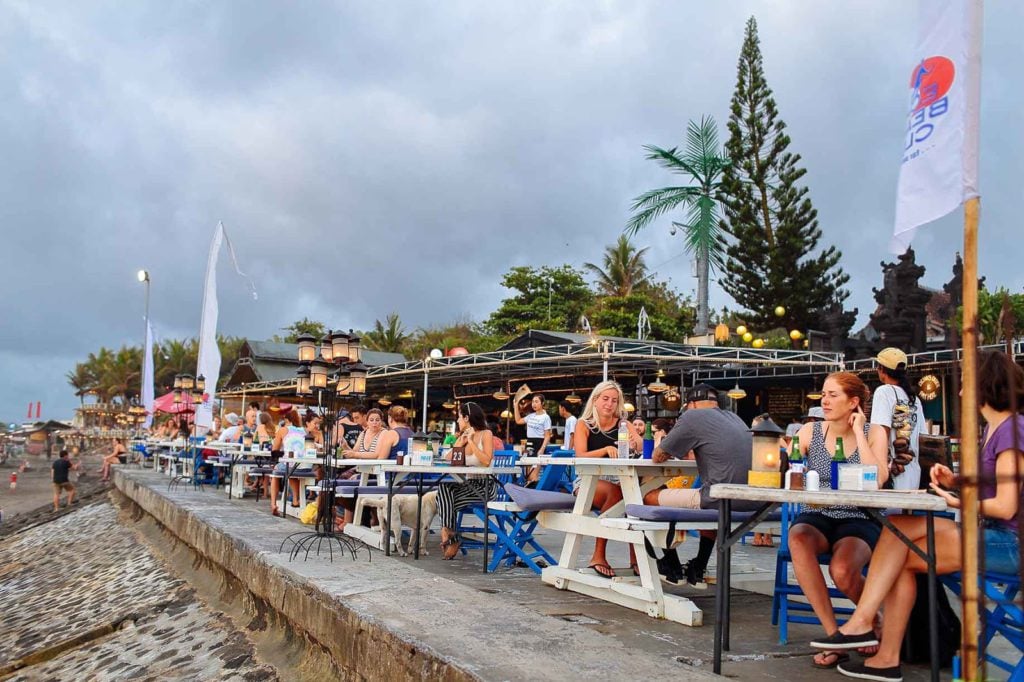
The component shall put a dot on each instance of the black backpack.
(915, 642)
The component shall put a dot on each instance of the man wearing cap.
(897, 409)
(721, 444)
(233, 431)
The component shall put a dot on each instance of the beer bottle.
(838, 458)
(648, 451)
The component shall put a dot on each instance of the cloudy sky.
(399, 156)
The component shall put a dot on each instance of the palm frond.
(656, 202)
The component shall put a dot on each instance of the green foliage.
(460, 333)
(528, 308)
(990, 307)
(672, 316)
(296, 329)
(772, 259)
(117, 375)
(388, 336)
(624, 268)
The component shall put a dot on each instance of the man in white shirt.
(233, 431)
(566, 411)
(538, 424)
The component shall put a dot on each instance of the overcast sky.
(398, 156)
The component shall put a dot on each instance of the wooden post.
(969, 446)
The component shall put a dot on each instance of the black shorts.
(835, 530)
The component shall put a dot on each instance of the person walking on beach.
(62, 467)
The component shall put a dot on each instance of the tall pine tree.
(774, 227)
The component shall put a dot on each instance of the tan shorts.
(68, 486)
(686, 498)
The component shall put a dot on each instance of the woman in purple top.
(891, 583)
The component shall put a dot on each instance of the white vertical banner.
(209, 353)
(147, 377)
(939, 169)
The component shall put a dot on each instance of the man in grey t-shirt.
(719, 440)
(721, 444)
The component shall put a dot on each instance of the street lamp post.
(143, 277)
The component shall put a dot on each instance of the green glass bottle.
(838, 458)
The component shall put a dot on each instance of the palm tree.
(623, 270)
(389, 337)
(703, 162)
(82, 380)
(120, 378)
(174, 357)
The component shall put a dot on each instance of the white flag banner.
(147, 377)
(940, 154)
(209, 353)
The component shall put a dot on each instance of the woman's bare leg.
(606, 496)
(805, 544)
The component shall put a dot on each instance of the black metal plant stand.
(324, 537)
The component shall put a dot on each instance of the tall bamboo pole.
(969, 445)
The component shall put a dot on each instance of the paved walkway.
(504, 626)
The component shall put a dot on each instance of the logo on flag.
(931, 80)
(930, 83)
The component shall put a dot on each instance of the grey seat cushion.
(649, 512)
(532, 500)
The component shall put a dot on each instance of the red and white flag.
(940, 153)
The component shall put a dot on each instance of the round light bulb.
(795, 334)
(748, 337)
(780, 311)
(758, 343)
(142, 275)
(741, 331)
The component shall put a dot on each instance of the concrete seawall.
(386, 619)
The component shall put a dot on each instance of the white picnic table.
(636, 478)
(381, 467)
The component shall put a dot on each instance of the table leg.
(933, 613)
(584, 501)
(419, 516)
(284, 492)
(721, 596)
(385, 519)
(727, 587)
(487, 522)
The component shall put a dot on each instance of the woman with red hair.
(845, 532)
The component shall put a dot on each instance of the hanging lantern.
(765, 462)
(795, 334)
(506, 414)
(722, 332)
(780, 311)
(814, 394)
(501, 394)
(741, 330)
(188, 382)
(736, 393)
(384, 400)
(629, 408)
(748, 337)
(758, 343)
(573, 398)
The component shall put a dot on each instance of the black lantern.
(188, 382)
(355, 352)
(201, 384)
(357, 372)
(339, 346)
(318, 374)
(326, 347)
(307, 348)
(302, 387)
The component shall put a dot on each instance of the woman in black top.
(598, 427)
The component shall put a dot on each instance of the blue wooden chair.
(785, 609)
(1003, 616)
(513, 528)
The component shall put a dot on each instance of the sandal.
(274, 512)
(602, 569)
(834, 658)
(450, 548)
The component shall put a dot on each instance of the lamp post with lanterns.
(332, 376)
